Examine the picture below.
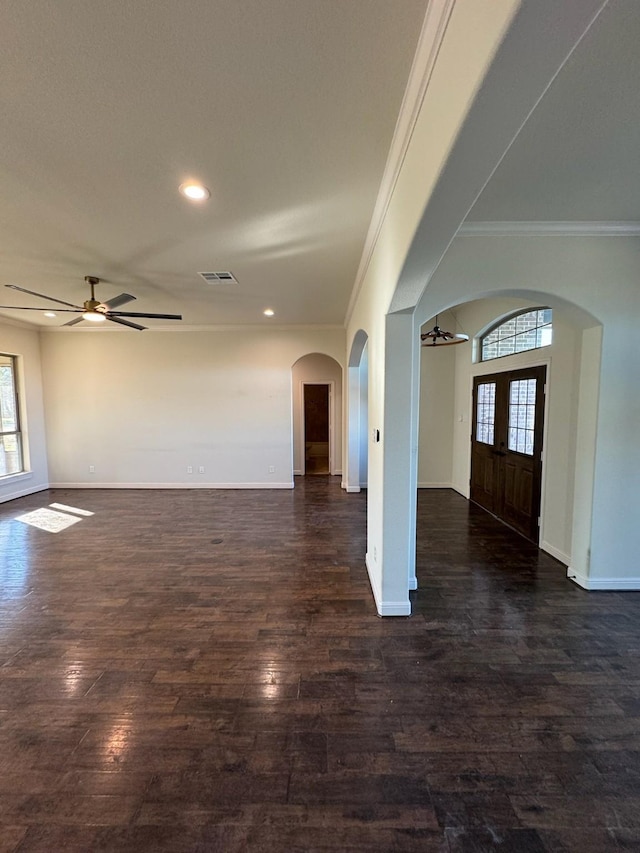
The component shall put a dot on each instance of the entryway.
(506, 446)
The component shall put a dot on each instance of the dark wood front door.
(506, 446)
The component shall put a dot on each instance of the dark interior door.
(506, 446)
(316, 429)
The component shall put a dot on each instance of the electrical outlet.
(92, 469)
(189, 469)
(375, 554)
(272, 469)
(201, 469)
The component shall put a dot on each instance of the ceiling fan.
(94, 310)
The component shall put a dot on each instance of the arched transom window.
(530, 329)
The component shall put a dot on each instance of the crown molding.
(19, 324)
(432, 33)
(550, 229)
(254, 328)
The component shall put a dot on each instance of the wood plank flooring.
(205, 671)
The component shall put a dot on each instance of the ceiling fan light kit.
(93, 310)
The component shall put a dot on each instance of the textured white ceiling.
(284, 108)
(578, 156)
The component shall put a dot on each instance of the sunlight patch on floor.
(48, 519)
(73, 509)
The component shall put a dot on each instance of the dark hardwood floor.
(205, 671)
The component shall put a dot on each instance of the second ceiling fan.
(93, 309)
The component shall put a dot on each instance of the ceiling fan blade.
(118, 300)
(73, 322)
(125, 323)
(149, 316)
(47, 308)
(43, 296)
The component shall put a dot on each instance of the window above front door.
(526, 330)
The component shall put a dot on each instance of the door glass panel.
(486, 413)
(522, 415)
(529, 442)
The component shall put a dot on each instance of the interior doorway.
(506, 446)
(316, 369)
(358, 415)
(317, 427)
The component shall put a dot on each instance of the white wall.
(586, 435)
(449, 85)
(321, 369)
(26, 345)
(142, 407)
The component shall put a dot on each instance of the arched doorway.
(449, 374)
(358, 415)
(317, 415)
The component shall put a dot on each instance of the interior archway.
(444, 457)
(358, 415)
(317, 371)
(573, 366)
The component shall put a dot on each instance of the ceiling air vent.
(219, 277)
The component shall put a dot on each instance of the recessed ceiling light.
(50, 314)
(194, 191)
(268, 312)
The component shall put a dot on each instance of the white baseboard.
(377, 595)
(555, 552)
(352, 489)
(465, 493)
(435, 486)
(413, 582)
(21, 493)
(386, 608)
(603, 584)
(297, 472)
(93, 485)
